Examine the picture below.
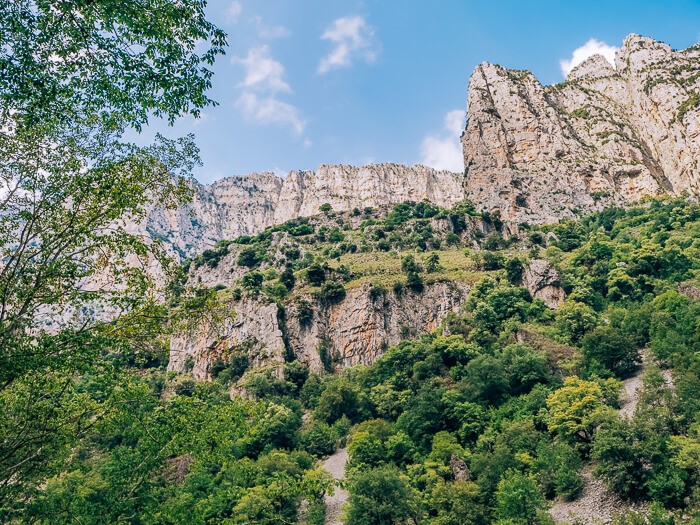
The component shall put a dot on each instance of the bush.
(491, 261)
(514, 270)
(332, 292)
(377, 291)
(379, 497)
(232, 370)
(252, 281)
(315, 274)
(432, 263)
(340, 398)
(518, 500)
(613, 349)
(249, 258)
(318, 439)
(574, 319)
(287, 278)
(305, 312)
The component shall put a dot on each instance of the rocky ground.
(596, 504)
(335, 464)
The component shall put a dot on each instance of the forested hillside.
(490, 418)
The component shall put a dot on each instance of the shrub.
(379, 496)
(318, 439)
(377, 291)
(574, 319)
(315, 274)
(432, 263)
(252, 281)
(305, 312)
(613, 349)
(287, 278)
(332, 292)
(249, 258)
(492, 261)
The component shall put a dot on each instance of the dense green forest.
(503, 409)
(486, 420)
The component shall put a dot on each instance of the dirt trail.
(597, 504)
(335, 464)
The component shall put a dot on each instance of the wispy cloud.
(590, 48)
(262, 71)
(353, 39)
(233, 11)
(264, 80)
(269, 32)
(444, 151)
(269, 110)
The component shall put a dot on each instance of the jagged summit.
(605, 136)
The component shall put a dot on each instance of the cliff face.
(604, 136)
(356, 330)
(246, 205)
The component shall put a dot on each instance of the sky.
(310, 82)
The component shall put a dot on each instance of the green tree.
(380, 496)
(576, 410)
(575, 319)
(75, 76)
(432, 263)
(412, 270)
(518, 500)
(613, 349)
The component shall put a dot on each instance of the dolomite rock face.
(347, 187)
(542, 281)
(235, 206)
(251, 325)
(357, 330)
(226, 209)
(608, 135)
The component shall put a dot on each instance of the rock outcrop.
(355, 331)
(542, 281)
(607, 135)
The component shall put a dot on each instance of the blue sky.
(307, 82)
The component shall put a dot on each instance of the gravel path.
(597, 504)
(335, 464)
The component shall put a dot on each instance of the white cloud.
(234, 9)
(444, 151)
(282, 174)
(269, 110)
(262, 71)
(590, 48)
(353, 39)
(269, 32)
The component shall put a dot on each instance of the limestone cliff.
(607, 135)
(235, 206)
(356, 330)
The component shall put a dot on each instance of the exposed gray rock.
(542, 281)
(235, 206)
(357, 330)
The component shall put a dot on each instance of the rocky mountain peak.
(594, 67)
(606, 136)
